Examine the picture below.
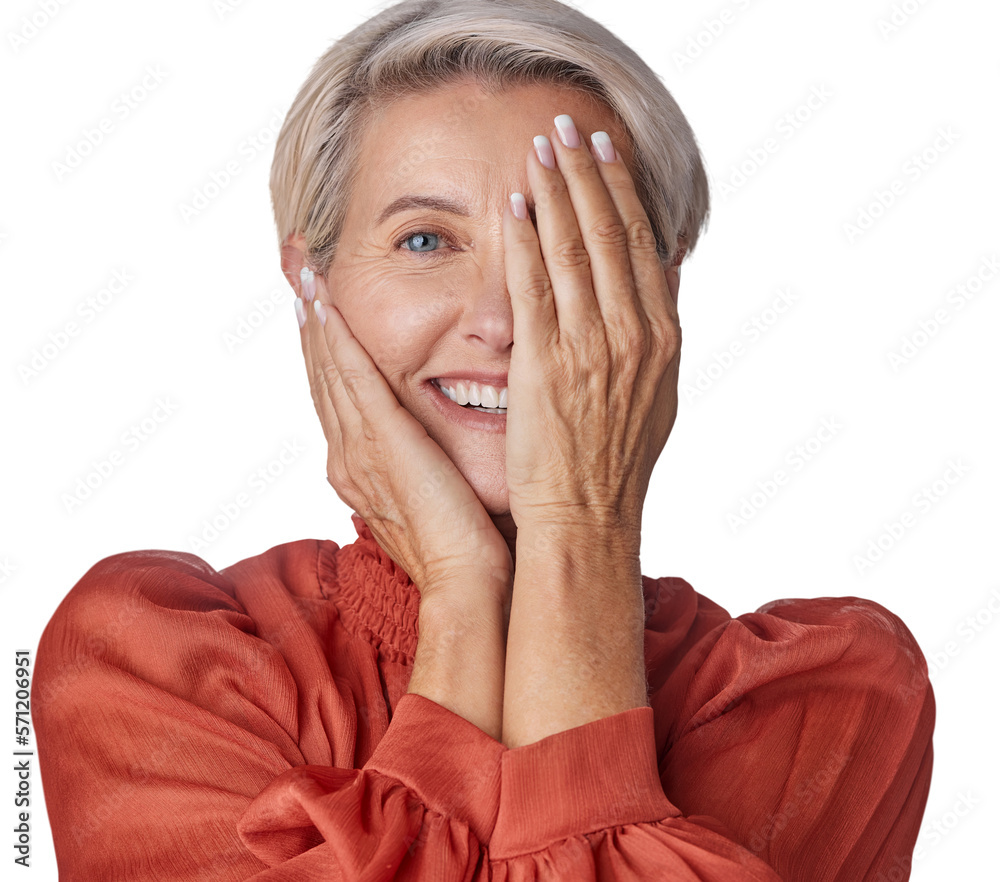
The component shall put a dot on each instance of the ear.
(673, 276)
(673, 270)
(293, 258)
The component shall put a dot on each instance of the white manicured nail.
(308, 280)
(603, 146)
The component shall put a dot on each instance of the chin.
(483, 464)
(489, 484)
(485, 471)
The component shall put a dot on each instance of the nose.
(487, 320)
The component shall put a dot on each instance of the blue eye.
(421, 241)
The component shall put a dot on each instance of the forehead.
(461, 131)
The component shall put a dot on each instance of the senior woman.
(482, 207)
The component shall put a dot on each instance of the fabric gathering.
(483, 685)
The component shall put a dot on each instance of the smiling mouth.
(492, 420)
(481, 409)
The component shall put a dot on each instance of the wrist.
(575, 648)
(599, 549)
(460, 656)
(624, 519)
(455, 610)
(466, 588)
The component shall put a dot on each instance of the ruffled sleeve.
(805, 728)
(421, 808)
(170, 746)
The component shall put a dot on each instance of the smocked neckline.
(376, 597)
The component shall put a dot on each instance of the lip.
(471, 419)
(498, 380)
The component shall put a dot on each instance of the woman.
(483, 685)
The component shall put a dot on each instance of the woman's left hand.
(592, 382)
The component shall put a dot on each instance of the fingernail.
(519, 206)
(300, 311)
(567, 130)
(602, 144)
(308, 280)
(320, 312)
(543, 149)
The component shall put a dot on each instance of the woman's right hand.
(383, 464)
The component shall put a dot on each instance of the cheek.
(401, 323)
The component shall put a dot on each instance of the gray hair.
(416, 46)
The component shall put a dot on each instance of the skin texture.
(419, 314)
(593, 390)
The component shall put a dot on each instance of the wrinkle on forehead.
(416, 151)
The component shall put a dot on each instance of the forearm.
(459, 662)
(575, 640)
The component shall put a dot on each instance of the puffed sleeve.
(171, 746)
(805, 728)
(795, 745)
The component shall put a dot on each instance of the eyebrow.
(435, 203)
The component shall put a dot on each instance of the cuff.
(451, 765)
(602, 774)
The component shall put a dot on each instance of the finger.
(603, 234)
(322, 380)
(536, 327)
(648, 271)
(372, 404)
(339, 418)
(564, 254)
(317, 384)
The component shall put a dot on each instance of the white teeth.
(474, 394)
(489, 397)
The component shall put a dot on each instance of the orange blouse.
(253, 723)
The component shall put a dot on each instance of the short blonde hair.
(418, 45)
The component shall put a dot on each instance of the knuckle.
(316, 371)
(579, 162)
(325, 373)
(551, 190)
(609, 231)
(632, 344)
(315, 385)
(570, 255)
(641, 237)
(318, 407)
(353, 380)
(536, 286)
(337, 477)
(666, 339)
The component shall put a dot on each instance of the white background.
(228, 72)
